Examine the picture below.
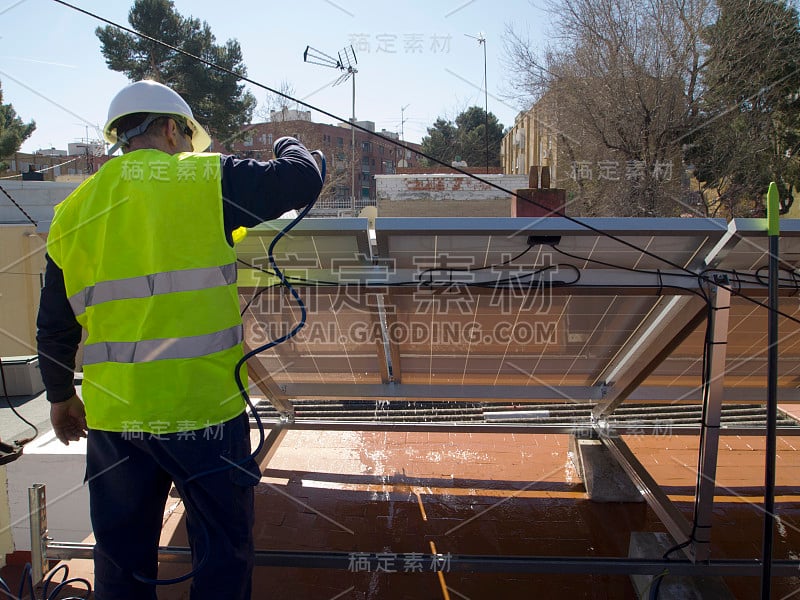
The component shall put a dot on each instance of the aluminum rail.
(468, 563)
(522, 428)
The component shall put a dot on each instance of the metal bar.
(650, 394)
(646, 353)
(461, 563)
(772, 398)
(387, 347)
(593, 282)
(398, 427)
(672, 394)
(522, 428)
(272, 391)
(713, 392)
(390, 311)
(37, 515)
(374, 391)
(677, 525)
(271, 444)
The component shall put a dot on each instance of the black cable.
(703, 278)
(475, 269)
(706, 378)
(23, 441)
(14, 202)
(256, 295)
(27, 589)
(480, 284)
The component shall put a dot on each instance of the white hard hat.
(154, 98)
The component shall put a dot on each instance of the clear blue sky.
(412, 52)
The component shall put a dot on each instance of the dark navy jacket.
(252, 192)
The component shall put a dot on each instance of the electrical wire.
(26, 585)
(476, 269)
(706, 379)
(703, 277)
(15, 203)
(243, 391)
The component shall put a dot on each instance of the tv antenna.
(346, 62)
(403, 121)
(481, 39)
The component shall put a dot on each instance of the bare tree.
(621, 85)
(276, 106)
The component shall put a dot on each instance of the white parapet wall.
(37, 198)
(61, 469)
(22, 248)
(445, 195)
(21, 268)
(6, 539)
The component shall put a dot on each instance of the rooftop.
(435, 403)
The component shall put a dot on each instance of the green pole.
(773, 232)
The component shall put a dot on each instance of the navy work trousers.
(129, 478)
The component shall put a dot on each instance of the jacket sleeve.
(58, 335)
(255, 191)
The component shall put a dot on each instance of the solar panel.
(423, 307)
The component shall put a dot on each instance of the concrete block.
(645, 544)
(604, 478)
(62, 469)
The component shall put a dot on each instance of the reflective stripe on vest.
(161, 349)
(152, 280)
(152, 285)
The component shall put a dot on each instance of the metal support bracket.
(37, 511)
(713, 392)
(677, 525)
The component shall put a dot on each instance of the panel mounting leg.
(37, 511)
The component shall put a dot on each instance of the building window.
(340, 142)
(365, 192)
(269, 139)
(366, 147)
(248, 139)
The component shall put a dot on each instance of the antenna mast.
(346, 62)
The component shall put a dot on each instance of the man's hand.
(69, 420)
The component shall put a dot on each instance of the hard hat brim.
(201, 140)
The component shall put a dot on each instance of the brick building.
(373, 156)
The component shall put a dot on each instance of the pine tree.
(12, 130)
(219, 100)
(747, 132)
(465, 139)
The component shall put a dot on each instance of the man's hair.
(128, 122)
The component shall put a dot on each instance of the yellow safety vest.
(150, 276)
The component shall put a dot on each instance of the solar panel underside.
(458, 302)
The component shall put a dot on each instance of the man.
(141, 256)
